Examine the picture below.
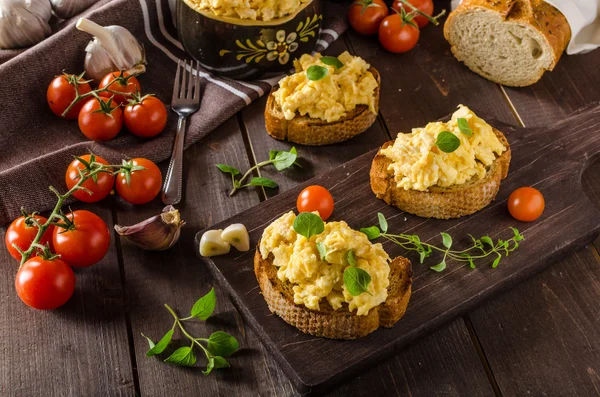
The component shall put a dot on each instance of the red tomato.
(45, 284)
(425, 6)
(366, 15)
(146, 118)
(85, 242)
(397, 36)
(100, 119)
(315, 198)
(526, 204)
(100, 188)
(22, 234)
(61, 93)
(143, 185)
(120, 82)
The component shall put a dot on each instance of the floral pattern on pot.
(275, 45)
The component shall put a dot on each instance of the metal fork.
(186, 101)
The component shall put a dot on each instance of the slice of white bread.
(511, 42)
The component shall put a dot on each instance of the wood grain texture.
(78, 348)
(314, 364)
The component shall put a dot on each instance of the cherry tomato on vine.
(22, 234)
(84, 242)
(146, 116)
(396, 35)
(425, 6)
(100, 119)
(120, 82)
(100, 186)
(139, 186)
(45, 284)
(315, 198)
(366, 15)
(526, 204)
(61, 92)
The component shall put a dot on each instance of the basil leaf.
(222, 344)
(316, 72)
(351, 259)
(308, 224)
(220, 362)
(382, 222)
(228, 169)
(322, 251)
(439, 267)
(447, 142)
(204, 307)
(464, 127)
(266, 182)
(356, 280)
(209, 366)
(496, 261)
(487, 240)
(422, 256)
(161, 345)
(371, 232)
(150, 342)
(183, 356)
(446, 240)
(332, 61)
(283, 160)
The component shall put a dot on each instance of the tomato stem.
(433, 20)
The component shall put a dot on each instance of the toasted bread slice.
(440, 202)
(316, 132)
(327, 322)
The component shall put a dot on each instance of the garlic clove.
(212, 244)
(237, 235)
(157, 233)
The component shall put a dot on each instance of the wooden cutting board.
(551, 159)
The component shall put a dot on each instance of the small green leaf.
(222, 344)
(322, 251)
(308, 224)
(266, 182)
(183, 356)
(447, 142)
(372, 232)
(382, 222)
(356, 280)
(220, 362)
(316, 72)
(150, 342)
(471, 263)
(464, 127)
(446, 240)
(518, 236)
(283, 160)
(228, 169)
(439, 267)
(487, 240)
(209, 366)
(496, 261)
(332, 61)
(161, 345)
(350, 257)
(204, 307)
(422, 256)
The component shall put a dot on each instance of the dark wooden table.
(541, 338)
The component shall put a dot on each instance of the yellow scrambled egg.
(299, 262)
(418, 163)
(330, 98)
(257, 10)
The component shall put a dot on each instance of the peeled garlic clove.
(158, 233)
(212, 244)
(237, 235)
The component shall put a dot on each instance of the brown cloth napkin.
(36, 146)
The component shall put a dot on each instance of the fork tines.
(187, 82)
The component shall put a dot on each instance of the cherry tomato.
(120, 82)
(146, 118)
(526, 204)
(143, 186)
(315, 198)
(61, 92)
(100, 187)
(85, 242)
(45, 284)
(100, 119)
(22, 234)
(366, 15)
(425, 6)
(397, 36)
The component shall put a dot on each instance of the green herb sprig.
(218, 345)
(481, 247)
(280, 160)
(316, 72)
(332, 61)
(447, 142)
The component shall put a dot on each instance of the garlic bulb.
(158, 233)
(113, 49)
(23, 22)
(67, 8)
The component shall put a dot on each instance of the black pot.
(246, 49)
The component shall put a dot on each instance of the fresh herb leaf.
(332, 61)
(487, 240)
(283, 159)
(183, 356)
(161, 345)
(220, 362)
(350, 258)
(150, 342)
(308, 224)
(204, 307)
(447, 142)
(322, 250)
(228, 169)
(209, 366)
(382, 222)
(440, 267)
(464, 127)
(316, 72)
(372, 232)
(356, 280)
(222, 344)
(496, 261)
(266, 182)
(422, 256)
(446, 240)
